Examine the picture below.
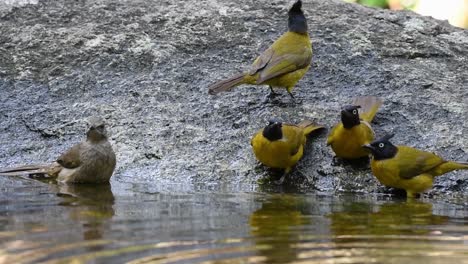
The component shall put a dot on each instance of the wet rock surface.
(145, 67)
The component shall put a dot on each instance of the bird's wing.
(332, 134)
(271, 64)
(283, 64)
(414, 162)
(261, 61)
(71, 158)
(294, 137)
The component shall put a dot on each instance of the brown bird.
(283, 64)
(90, 161)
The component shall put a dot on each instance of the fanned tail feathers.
(227, 84)
(369, 106)
(309, 126)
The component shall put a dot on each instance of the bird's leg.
(336, 161)
(270, 96)
(272, 92)
(410, 196)
(293, 98)
(281, 180)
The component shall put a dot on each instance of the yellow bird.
(280, 145)
(346, 138)
(283, 64)
(407, 168)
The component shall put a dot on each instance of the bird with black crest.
(281, 146)
(407, 168)
(283, 64)
(347, 137)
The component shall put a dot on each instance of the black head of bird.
(350, 116)
(97, 130)
(382, 148)
(297, 21)
(273, 130)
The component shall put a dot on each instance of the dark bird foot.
(270, 98)
(294, 100)
(297, 101)
(359, 163)
(281, 180)
(336, 161)
(272, 92)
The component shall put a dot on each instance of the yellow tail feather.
(309, 126)
(369, 107)
(449, 166)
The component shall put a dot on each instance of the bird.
(407, 168)
(347, 137)
(280, 145)
(283, 64)
(90, 161)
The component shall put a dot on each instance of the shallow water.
(136, 224)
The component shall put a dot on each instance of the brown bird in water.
(283, 64)
(90, 161)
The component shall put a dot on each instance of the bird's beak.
(368, 146)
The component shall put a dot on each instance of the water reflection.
(274, 227)
(392, 218)
(394, 232)
(91, 206)
(127, 224)
(48, 221)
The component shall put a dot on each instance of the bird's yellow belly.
(349, 143)
(388, 174)
(288, 80)
(275, 155)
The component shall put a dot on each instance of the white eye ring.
(381, 145)
(354, 112)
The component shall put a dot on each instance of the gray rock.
(145, 67)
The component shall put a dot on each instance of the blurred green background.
(455, 11)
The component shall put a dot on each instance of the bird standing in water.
(283, 64)
(281, 145)
(407, 168)
(346, 138)
(90, 161)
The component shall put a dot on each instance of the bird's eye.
(354, 112)
(100, 127)
(381, 145)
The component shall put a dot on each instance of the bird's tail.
(309, 126)
(449, 166)
(226, 85)
(43, 170)
(369, 106)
